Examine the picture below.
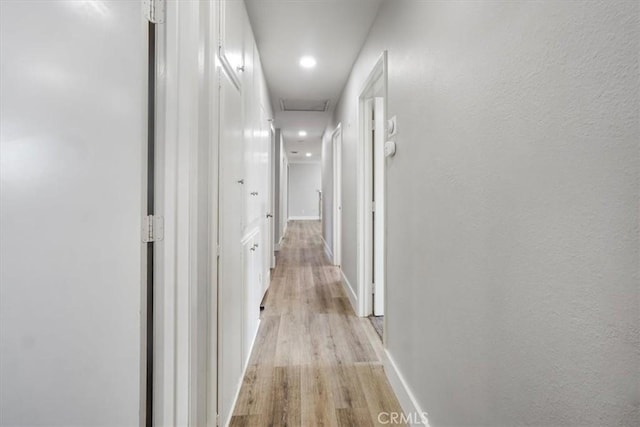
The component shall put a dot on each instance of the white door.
(252, 252)
(230, 294)
(72, 148)
(337, 195)
(232, 35)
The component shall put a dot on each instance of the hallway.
(204, 205)
(314, 362)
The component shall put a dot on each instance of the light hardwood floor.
(314, 362)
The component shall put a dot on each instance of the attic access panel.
(312, 105)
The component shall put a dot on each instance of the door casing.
(372, 96)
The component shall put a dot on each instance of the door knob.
(240, 181)
(269, 215)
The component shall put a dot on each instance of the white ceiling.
(332, 31)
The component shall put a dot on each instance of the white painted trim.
(378, 191)
(407, 399)
(267, 282)
(303, 162)
(246, 362)
(165, 200)
(327, 249)
(351, 293)
(244, 373)
(284, 232)
(304, 218)
(364, 186)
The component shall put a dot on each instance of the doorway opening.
(371, 197)
(337, 194)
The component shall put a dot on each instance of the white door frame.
(375, 87)
(186, 331)
(378, 191)
(272, 192)
(336, 140)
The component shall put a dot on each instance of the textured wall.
(513, 261)
(304, 183)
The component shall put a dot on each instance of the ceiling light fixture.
(302, 133)
(307, 62)
(308, 154)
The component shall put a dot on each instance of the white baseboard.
(353, 299)
(244, 372)
(284, 232)
(327, 250)
(405, 396)
(304, 218)
(267, 279)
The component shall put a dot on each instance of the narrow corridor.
(314, 362)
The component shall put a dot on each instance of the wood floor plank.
(285, 408)
(244, 421)
(317, 400)
(314, 363)
(349, 417)
(379, 397)
(346, 388)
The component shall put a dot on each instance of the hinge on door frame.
(154, 11)
(373, 288)
(152, 228)
(217, 419)
(373, 206)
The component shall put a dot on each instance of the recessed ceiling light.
(308, 154)
(302, 133)
(307, 62)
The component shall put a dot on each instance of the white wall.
(513, 251)
(304, 183)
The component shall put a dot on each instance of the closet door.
(72, 146)
(251, 308)
(230, 286)
(232, 24)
